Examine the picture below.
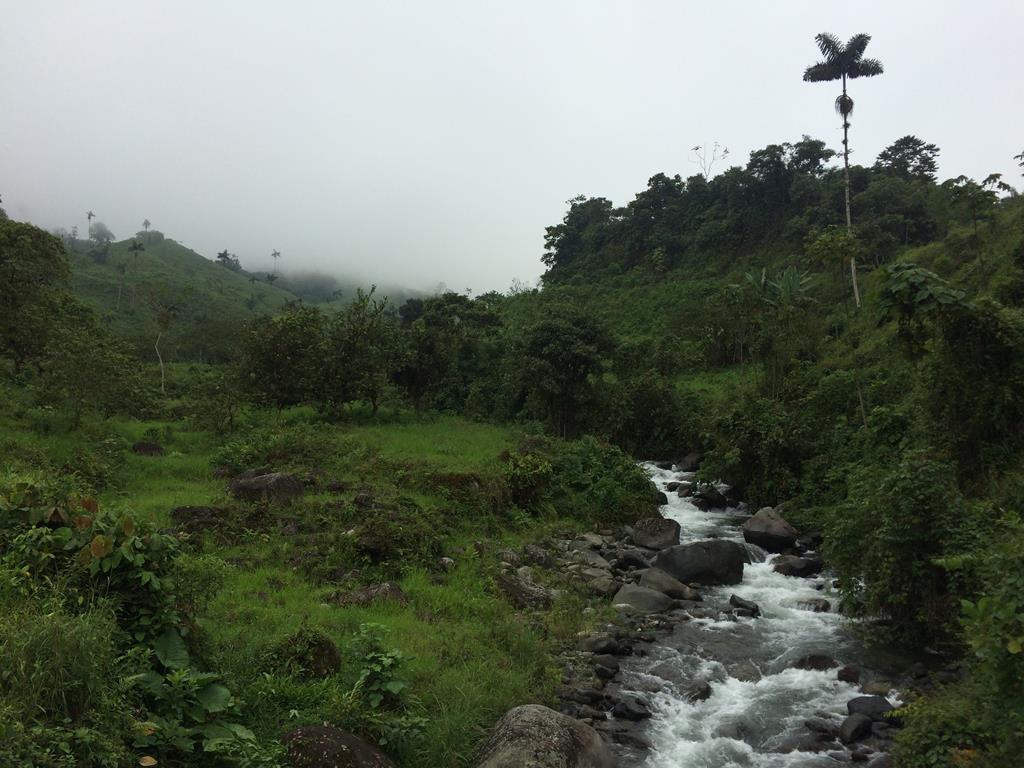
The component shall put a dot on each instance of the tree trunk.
(846, 186)
(156, 346)
(119, 286)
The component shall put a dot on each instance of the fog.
(422, 142)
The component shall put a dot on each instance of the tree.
(977, 200)
(844, 62)
(100, 233)
(229, 260)
(167, 305)
(3, 213)
(706, 159)
(283, 357)
(275, 255)
(89, 216)
(909, 158)
(33, 272)
(146, 224)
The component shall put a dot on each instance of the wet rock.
(806, 742)
(642, 599)
(659, 580)
(590, 558)
(275, 486)
(656, 533)
(522, 593)
(716, 561)
(815, 661)
(604, 586)
(815, 604)
(147, 448)
(877, 688)
(690, 462)
(537, 555)
(324, 746)
(533, 736)
(746, 671)
(663, 464)
(631, 709)
(849, 674)
(821, 725)
(387, 591)
(673, 486)
(751, 608)
(698, 691)
(768, 530)
(874, 707)
(605, 665)
(685, 491)
(662, 498)
(708, 497)
(603, 643)
(791, 565)
(854, 728)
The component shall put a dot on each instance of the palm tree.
(89, 216)
(843, 62)
(275, 255)
(146, 224)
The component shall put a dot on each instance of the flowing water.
(758, 702)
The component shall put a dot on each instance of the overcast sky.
(433, 141)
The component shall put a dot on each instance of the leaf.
(128, 526)
(82, 522)
(147, 760)
(1014, 646)
(214, 697)
(101, 546)
(89, 504)
(170, 650)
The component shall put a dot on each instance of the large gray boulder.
(716, 561)
(768, 530)
(656, 532)
(532, 736)
(274, 486)
(324, 746)
(657, 579)
(642, 599)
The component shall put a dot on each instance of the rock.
(337, 486)
(590, 558)
(708, 497)
(630, 559)
(522, 593)
(592, 540)
(877, 688)
(663, 464)
(690, 462)
(746, 671)
(882, 761)
(820, 725)
(447, 564)
(768, 530)
(854, 728)
(698, 691)
(715, 561)
(685, 491)
(791, 565)
(533, 736)
(607, 662)
(604, 586)
(631, 709)
(662, 498)
(849, 674)
(324, 746)
(602, 644)
(275, 486)
(656, 533)
(148, 448)
(673, 486)
(642, 599)
(874, 707)
(815, 604)
(196, 519)
(509, 556)
(805, 742)
(752, 608)
(387, 591)
(537, 555)
(657, 579)
(815, 661)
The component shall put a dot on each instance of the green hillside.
(211, 301)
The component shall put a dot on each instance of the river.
(758, 705)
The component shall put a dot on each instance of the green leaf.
(214, 697)
(170, 650)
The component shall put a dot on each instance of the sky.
(426, 142)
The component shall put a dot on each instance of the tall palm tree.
(89, 216)
(844, 62)
(275, 255)
(146, 224)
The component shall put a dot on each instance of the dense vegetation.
(715, 313)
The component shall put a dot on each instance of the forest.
(234, 504)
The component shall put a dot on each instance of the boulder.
(631, 709)
(877, 688)
(656, 533)
(275, 486)
(849, 674)
(630, 560)
(768, 530)
(195, 519)
(604, 586)
(387, 591)
(698, 691)
(874, 707)
(537, 555)
(815, 661)
(604, 644)
(791, 565)
(815, 604)
(854, 728)
(532, 736)
(657, 579)
(708, 497)
(748, 607)
(147, 448)
(642, 599)
(522, 593)
(662, 498)
(690, 462)
(324, 746)
(716, 561)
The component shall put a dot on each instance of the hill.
(209, 301)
